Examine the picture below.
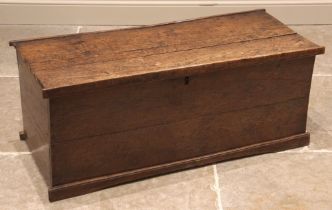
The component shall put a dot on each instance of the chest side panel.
(35, 113)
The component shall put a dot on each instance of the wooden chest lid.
(79, 62)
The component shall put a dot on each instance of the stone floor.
(299, 179)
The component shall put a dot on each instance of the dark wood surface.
(86, 61)
(102, 182)
(114, 153)
(130, 104)
(36, 121)
(131, 107)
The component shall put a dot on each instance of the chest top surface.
(79, 62)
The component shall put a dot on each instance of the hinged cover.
(77, 62)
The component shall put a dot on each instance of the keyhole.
(186, 80)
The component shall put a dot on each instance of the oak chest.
(106, 108)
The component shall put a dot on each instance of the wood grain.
(106, 108)
(156, 67)
(36, 119)
(94, 184)
(129, 107)
(128, 43)
(86, 61)
(91, 157)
